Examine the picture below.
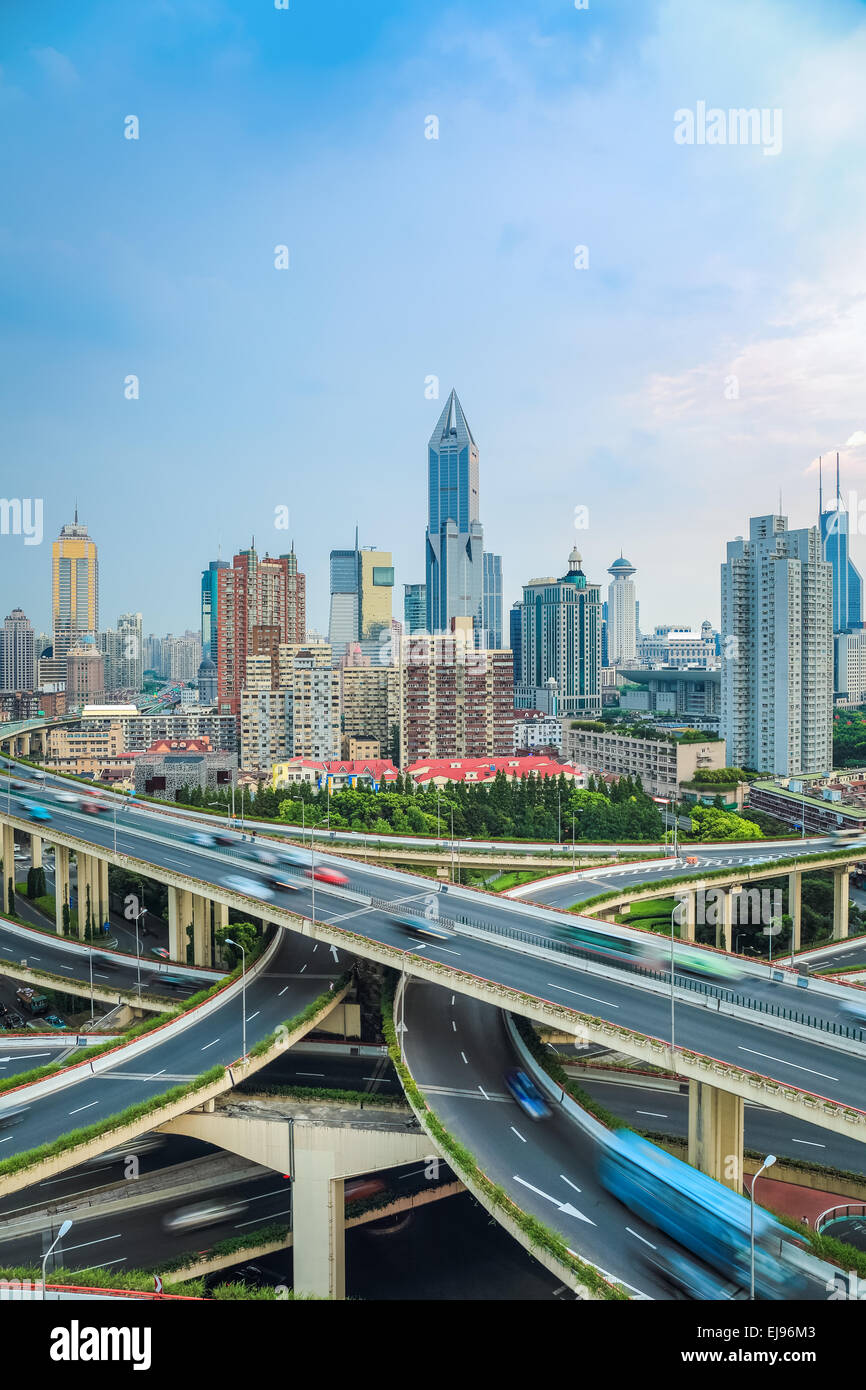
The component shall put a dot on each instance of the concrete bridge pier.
(725, 926)
(61, 885)
(35, 850)
(201, 937)
(187, 909)
(687, 914)
(716, 1133)
(8, 862)
(840, 903)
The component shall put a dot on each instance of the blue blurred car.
(35, 811)
(527, 1095)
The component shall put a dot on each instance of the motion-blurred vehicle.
(147, 1143)
(323, 875)
(20, 787)
(90, 808)
(425, 926)
(265, 856)
(527, 1095)
(203, 837)
(35, 811)
(852, 833)
(251, 886)
(697, 960)
(356, 1189)
(161, 952)
(10, 1118)
(209, 1213)
(67, 798)
(687, 1279)
(172, 981)
(702, 1215)
(281, 885)
(855, 1008)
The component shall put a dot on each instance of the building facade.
(370, 704)
(847, 581)
(17, 661)
(261, 603)
(661, 763)
(491, 616)
(74, 588)
(210, 606)
(561, 644)
(456, 700)
(669, 645)
(621, 614)
(777, 636)
(414, 608)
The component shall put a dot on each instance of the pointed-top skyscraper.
(455, 538)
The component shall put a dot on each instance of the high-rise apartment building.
(561, 639)
(123, 649)
(293, 712)
(17, 662)
(621, 614)
(777, 650)
(362, 583)
(370, 704)
(377, 587)
(85, 673)
(455, 538)
(261, 603)
(414, 607)
(210, 606)
(74, 587)
(456, 700)
(491, 599)
(181, 657)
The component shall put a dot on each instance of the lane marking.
(465, 1058)
(454, 1025)
(570, 1183)
(659, 1114)
(519, 1135)
(210, 1044)
(282, 991)
(89, 1106)
(795, 1065)
(483, 1092)
(643, 1238)
(578, 994)
(811, 1142)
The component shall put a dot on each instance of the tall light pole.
(229, 942)
(90, 955)
(767, 1163)
(803, 819)
(572, 840)
(60, 1234)
(673, 989)
(138, 917)
(452, 844)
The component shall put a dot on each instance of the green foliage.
(36, 884)
(709, 823)
(305, 1016)
(849, 738)
(254, 1087)
(723, 776)
(262, 1235)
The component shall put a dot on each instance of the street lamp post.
(767, 1163)
(90, 955)
(229, 942)
(138, 917)
(60, 1234)
(452, 844)
(572, 839)
(673, 989)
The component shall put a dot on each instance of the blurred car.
(855, 1008)
(203, 837)
(143, 1145)
(265, 856)
(9, 1118)
(161, 952)
(35, 811)
(90, 808)
(688, 1279)
(209, 1213)
(68, 798)
(251, 886)
(323, 875)
(281, 885)
(20, 787)
(527, 1095)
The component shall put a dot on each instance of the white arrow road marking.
(565, 1207)
(333, 951)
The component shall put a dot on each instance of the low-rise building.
(439, 771)
(661, 761)
(375, 774)
(171, 764)
(533, 728)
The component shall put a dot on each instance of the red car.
(328, 876)
(90, 808)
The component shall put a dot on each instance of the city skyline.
(734, 365)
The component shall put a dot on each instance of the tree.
(11, 893)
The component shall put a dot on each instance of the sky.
(644, 395)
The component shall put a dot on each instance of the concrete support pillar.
(725, 927)
(61, 885)
(687, 924)
(84, 891)
(35, 850)
(8, 862)
(840, 903)
(200, 929)
(176, 936)
(716, 1133)
(795, 906)
(319, 1244)
(104, 909)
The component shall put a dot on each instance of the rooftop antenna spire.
(76, 511)
(838, 493)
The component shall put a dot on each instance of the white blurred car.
(209, 1213)
(251, 886)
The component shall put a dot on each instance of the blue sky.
(607, 387)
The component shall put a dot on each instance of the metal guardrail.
(839, 1213)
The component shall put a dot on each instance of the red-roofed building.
(374, 774)
(438, 771)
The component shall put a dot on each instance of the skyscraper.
(515, 633)
(847, 582)
(210, 606)
(17, 663)
(414, 607)
(777, 650)
(74, 587)
(344, 623)
(621, 614)
(492, 599)
(376, 587)
(561, 656)
(455, 538)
